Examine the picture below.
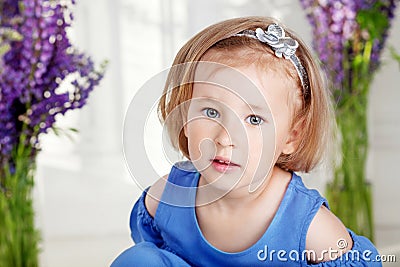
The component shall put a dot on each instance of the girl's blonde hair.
(313, 116)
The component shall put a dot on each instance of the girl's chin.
(220, 182)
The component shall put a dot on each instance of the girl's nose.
(223, 138)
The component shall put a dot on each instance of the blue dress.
(173, 237)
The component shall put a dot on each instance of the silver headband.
(275, 37)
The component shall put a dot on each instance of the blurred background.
(84, 192)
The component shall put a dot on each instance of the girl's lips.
(223, 165)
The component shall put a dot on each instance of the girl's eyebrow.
(253, 107)
(256, 107)
(206, 99)
(259, 108)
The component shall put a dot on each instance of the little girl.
(246, 104)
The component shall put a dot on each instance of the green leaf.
(65, 132)
(358, 61)
(4, 48)
(373, 20)
(56, 130)
(10, 34)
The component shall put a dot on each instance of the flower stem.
(350, 193)
(18, 236)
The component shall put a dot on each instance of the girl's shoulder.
(181, 174)
(154, 194)
(320, 229)
(327, 233)
(324, 234)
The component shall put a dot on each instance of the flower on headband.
(275, 37)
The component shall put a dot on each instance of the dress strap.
(176, 204)
(180, 189)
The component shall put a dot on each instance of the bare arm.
(327, 237)
(154, 194)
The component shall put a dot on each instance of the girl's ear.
(184, 119)
(185, 130)
(294, 138)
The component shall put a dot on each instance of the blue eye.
(211, 113)
(254, 120)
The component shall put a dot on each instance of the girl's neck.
(239, 198)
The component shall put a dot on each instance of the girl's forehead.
(259, 58)
(218, 97)
(251, 84)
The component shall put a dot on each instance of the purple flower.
(9, 9)
(33, 69)
(341, 30)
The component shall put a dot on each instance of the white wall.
(384, 159)
(84, 191)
